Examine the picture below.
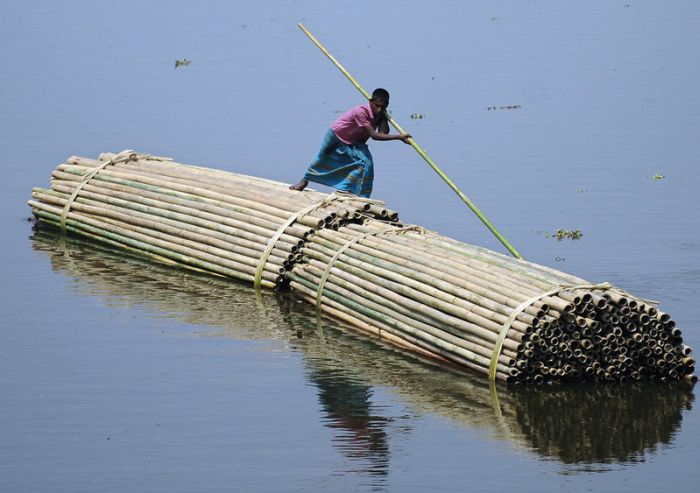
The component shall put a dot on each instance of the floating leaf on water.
(658, 177)
(183, 62)
(574, 234)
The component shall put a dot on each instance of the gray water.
(119, 375)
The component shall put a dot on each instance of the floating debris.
(574, 234)
(561, 234)
(508, 107)
(658, 177)
(184, 62)
(417, 116)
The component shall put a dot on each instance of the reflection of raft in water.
(511, 319)
(587, 424)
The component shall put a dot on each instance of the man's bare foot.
(299, 186)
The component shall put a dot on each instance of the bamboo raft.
(505, 318)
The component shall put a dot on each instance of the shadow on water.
(586, 427)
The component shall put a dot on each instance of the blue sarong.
(342, 166)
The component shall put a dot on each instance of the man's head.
(379, 100)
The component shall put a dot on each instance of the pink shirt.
(350, 126)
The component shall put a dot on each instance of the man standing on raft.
(344, 162)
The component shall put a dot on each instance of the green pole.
(420, 151)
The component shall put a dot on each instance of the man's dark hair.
(380, 94)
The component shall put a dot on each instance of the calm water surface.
(119, 375)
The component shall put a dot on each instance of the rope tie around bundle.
(498, 347)
(335, 196)
(123, 157)
(342, 249)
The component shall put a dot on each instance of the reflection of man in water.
(347, 404)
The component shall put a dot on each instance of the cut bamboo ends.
(507, 319)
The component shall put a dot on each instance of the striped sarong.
(342, 166)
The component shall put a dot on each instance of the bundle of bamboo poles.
(521, 322)
(202, 219)
(510, 319)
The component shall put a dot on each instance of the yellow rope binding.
(509, 321)
(124, 156)
(341, 250)
(273, 241)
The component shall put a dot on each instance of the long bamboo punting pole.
(420, 151)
